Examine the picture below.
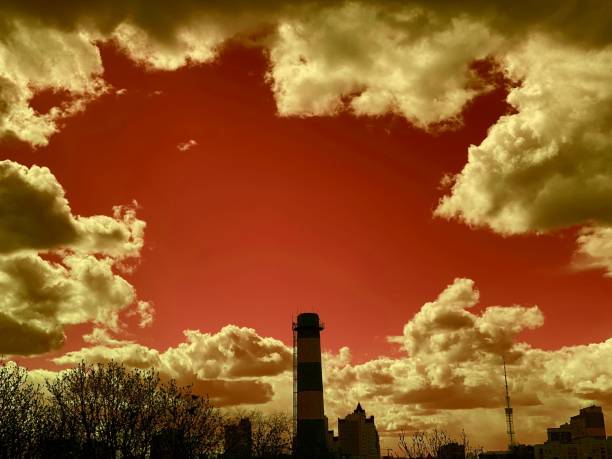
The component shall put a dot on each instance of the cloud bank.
(544, 167)
(233, 367)
(449, 373)
(56, 268)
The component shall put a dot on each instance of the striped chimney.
(311, 422)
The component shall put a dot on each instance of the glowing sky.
(401, 171)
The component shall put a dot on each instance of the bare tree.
(436, 438)
(413, 446)
(21, 413)
(191, 426)
(102, 410)
(423, 444)
(271, 435)
(471, 452)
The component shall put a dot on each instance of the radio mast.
(509, 416)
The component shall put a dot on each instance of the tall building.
(583, 437)
(239, 440)
(309, 417)
(588, 423)
(358, 436)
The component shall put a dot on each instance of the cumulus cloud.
(546, 166)
(56, 269)
(445, 330)
(451, 375)
(595, 249)
(542, 168)
(233, 367)
(40, 298)
(405, 61)
(34, 58)
(35, 215)
(411, 58)
(129, 353)
(196, 44)
(233, 352)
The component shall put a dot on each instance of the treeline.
(110, 411)
(436, 444)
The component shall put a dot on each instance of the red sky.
(267, 216)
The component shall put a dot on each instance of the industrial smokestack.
(309, 440)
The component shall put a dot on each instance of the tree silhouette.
(21, 413)
(471, 452)
(271, 433)
(190, 426)
(424, 444)
(105, 410)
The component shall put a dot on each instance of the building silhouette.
(514, 452)
(310, 423)
(358, 437)
(583, 437)
(238, 440)
(451, 450)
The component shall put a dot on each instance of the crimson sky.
(267, 216)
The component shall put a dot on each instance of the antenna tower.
(509, 415)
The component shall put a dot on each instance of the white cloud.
(195, 44)
(542, 168)
(40, 298)
(146, 314)
(410, 58)
(548, 165)
(56, 269)
(235, 366)
(188, 145)
(374, 61)
(34, 58)
(444, 330)
(451, 375)
(595, 249)
(35, 215)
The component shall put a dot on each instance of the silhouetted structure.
(509, 414)
(584, 437)
(451, 451)
(167, 444)
(588, 423)
(358, 436)
(239, 440)
(333, 443)
(514, 452)
(310, 423)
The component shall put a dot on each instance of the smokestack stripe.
(311, 424)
